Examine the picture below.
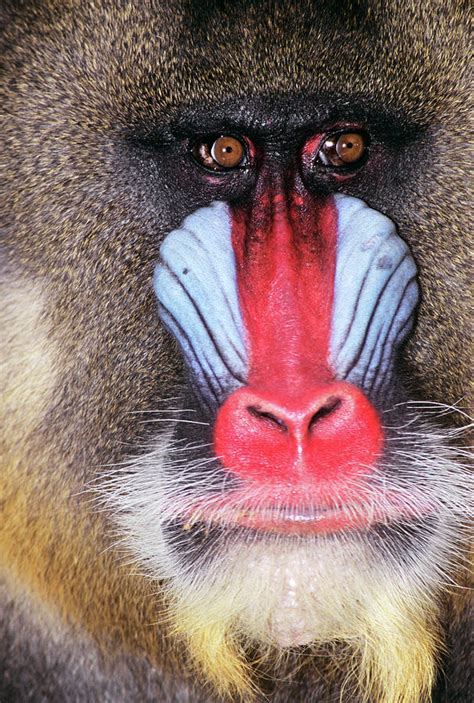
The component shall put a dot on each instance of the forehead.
(169, 54)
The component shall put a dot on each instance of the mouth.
(301, 519)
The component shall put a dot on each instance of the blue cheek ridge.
(375, 294)
(195, 282)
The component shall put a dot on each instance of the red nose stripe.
(293, 424)
(285, 254)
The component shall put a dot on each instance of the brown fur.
(78, 77)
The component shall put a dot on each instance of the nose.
(327, 432)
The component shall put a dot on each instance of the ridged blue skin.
(196, 285)
(375, 297)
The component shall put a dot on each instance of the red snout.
(328, 433)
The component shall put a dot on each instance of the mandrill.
(235, 352)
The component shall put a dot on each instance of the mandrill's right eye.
(222, 153)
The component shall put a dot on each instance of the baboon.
(235, 351)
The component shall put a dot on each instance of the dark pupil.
(349, 145)
(228, 149)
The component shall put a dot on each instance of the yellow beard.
(385, 624)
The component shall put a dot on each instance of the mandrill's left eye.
(221, 153)
(344, 149)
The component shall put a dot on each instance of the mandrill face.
(237, 301)
(299, 495)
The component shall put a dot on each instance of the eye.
(343, 149)
(223, 153)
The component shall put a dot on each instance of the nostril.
(329, 407)
(328, 432)
(267, 417)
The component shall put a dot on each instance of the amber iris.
(225, 152)
(344, 149)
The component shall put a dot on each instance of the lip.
(323, 522)
(311, 520)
